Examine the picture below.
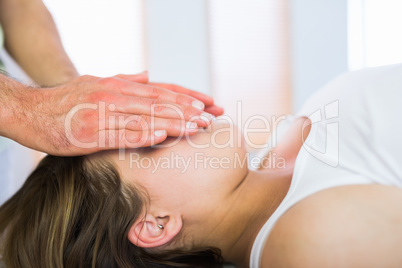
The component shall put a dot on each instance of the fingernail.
(206, 117)
(198, 104)
(191, 125)
(160, 133)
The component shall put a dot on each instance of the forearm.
(32, 39)
(9, 95)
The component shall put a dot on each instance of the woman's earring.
(160, 226)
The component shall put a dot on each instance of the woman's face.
(190, 175)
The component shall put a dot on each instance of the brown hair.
(76, 212)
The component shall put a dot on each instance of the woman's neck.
(256, 199)
(249, 208)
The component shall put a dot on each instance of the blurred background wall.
(319, 45)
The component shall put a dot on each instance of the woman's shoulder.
(350, 226)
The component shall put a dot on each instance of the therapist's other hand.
(89, 114)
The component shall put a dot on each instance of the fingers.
(137, 131)
(168, 93)
(124, 138)
(165, 92)
(157, 108)
(173, 127)
(210, 107)
(162, 94)
(207, 100)
(214, 110)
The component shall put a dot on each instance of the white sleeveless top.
(355, 138)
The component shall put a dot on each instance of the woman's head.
(102, 211)
(188, 184)
(77, 212)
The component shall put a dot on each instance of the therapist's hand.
(89, 114)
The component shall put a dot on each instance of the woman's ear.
(152, 231)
